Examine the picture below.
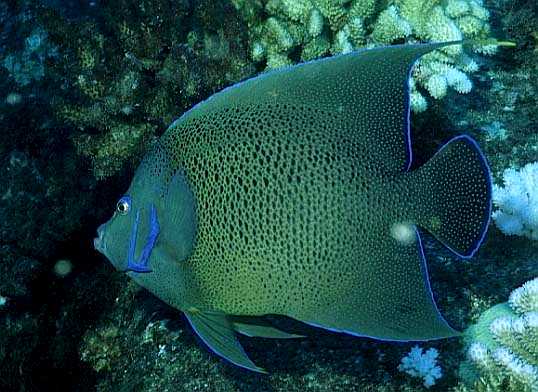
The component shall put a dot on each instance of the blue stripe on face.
(141, 264)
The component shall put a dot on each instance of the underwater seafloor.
(85, 86)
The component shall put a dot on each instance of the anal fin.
(217, 332)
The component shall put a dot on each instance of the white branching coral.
(517, 202)
(422, 365)
(287, 31)
(525, 298)
(390, 27)
(504, 343)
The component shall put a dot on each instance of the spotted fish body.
(296, 199)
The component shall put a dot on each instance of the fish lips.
(99, 242)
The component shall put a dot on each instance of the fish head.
(130, 236)
(153, 223)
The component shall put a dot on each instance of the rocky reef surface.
(87, 85)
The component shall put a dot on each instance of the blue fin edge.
(426, 276)
(258, 370)
(285, 69)
(487, 171)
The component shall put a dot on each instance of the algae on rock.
(127, 76)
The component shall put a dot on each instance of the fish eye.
(124, 205)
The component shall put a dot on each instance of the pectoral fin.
(217, 332)
(259, 327)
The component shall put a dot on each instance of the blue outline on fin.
(407, 124)
(426, 275)
(486, 169)
(483, 161)
(141, 264)
(256, 369)
(286, 69)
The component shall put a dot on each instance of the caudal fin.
(455, 192)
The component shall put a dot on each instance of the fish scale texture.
(290, 222)
(275, 205)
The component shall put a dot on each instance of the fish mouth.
(99, 242)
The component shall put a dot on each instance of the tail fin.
(455, 195)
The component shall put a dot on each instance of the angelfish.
(291, 194)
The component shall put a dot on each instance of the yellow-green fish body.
(291, 194)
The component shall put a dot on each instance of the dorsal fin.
(366, 92)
